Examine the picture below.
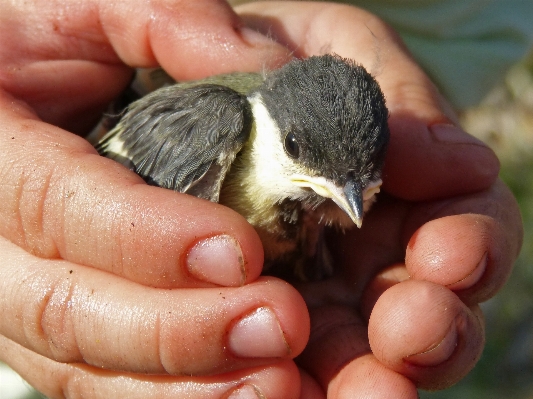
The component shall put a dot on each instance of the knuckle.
(55, 322)
(24, 214)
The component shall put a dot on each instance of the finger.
(59, 380)
(468, 245)
(207, 32)
(90, 210)
(337, 337)
(310, 389)
(426, 333)
(62, 67)
(76, 314)
(366, 377)
(338, 357)
(381, 282)
(428, 151)
(92, 46)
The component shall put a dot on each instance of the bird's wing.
(182, 138)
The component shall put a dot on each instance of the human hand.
(153, 268)
(444, 233)
(109, 287)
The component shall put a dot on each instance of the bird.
(293, 150)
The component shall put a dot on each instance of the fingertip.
(444, 160)
(424, 331)
(277, 381)
(439, 352)
(366, 377)
(272, 54)
(248, 335)
(473, 277)
(293, 315)
(151, 235)
(310, 387)
(220, 247)
(190, 40)
(379, 284)
(470, 254)
(394, 314)
(231, 255)
(483, 160)
(338, 336)
(213, 26)
(451, 250)
(218, 260)
(251, 246)
(276, 326)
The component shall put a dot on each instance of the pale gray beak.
(352, 198)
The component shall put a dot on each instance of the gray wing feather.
(182, 138)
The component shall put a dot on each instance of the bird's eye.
(291, 145)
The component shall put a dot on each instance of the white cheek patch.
(272, 167)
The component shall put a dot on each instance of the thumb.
(68, 60)
(189, 39)
(429, 156)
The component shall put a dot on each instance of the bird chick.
(293, 150)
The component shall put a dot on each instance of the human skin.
(111, 287)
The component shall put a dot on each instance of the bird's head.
(325, 120)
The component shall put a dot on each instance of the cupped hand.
(91, 252)
(109, 285)
(402, 311)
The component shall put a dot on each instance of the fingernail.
(448, 133)
(439, 353)
(246, 392)
(473, 277)
(254, 37)
(258, 334)
(217, 260)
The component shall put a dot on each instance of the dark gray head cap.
(336, 111)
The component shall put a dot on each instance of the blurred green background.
(504, 120)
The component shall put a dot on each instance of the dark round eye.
(291, 145)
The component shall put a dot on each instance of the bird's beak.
(351, 198)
